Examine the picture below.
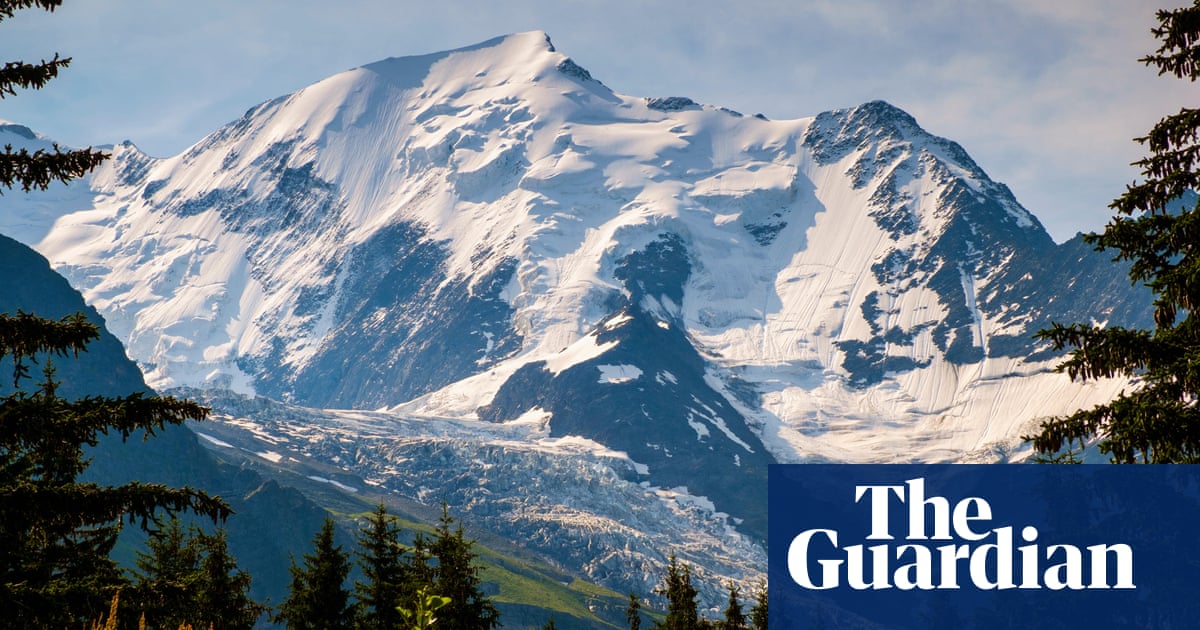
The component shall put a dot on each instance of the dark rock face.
(399, 315)
(650, 395)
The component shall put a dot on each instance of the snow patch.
(212, 440)
(617, 374)
(583, 350)
(333, 483)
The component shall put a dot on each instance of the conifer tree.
(223, 598)
(735, 619)
(1159, 235)
(633, 613)
(318, 598)
(57, 532)
(167, 576)
(758, 614)
(419, 572)
(38, 169)
(458, 579)
(189, 577)
(681, 597)
(385, 573)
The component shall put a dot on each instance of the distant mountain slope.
(174, 457)
(262, 541)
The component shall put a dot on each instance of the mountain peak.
(20, 130)
(835, 134)
(508, 254)
(881, 136)
(505, 58)
(883, 114)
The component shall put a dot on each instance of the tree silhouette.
(1158, 232)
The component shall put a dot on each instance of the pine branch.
(26, 335)
(9, 7)
(18, 74)
(132, 413)
(1179, 54)
(37, 170)
(68, 507)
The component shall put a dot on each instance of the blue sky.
(1046, 96)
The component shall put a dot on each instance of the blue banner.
(984, 546)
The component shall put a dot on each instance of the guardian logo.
(986, 559)
(984, 546)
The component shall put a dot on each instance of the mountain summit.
(493, 237)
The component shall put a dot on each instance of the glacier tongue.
(576, 501)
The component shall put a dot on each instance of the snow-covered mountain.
(492, 236)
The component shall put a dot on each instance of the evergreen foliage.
(187, 576)
(1158, 421)
(37, 169)
(435, 582)
(735, 619)
(419, 573)
(167, 573)
(758, 614)
(385, 572)
(55, 569)
(457, 577)
(318, 598)
(633, 613)
(681, 598)
(58, 532)
(223, 599)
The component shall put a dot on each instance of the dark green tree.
(419, 573)
(318, 598)
(223, 598)
(381, 559)
(1159, 235)
(681, 598)
(38, 169)
(457, 577)
(633, 613)
(58, 532)
(735, 619)
(758, 614)
(166, 576)
(189, 577)
(55, 569)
